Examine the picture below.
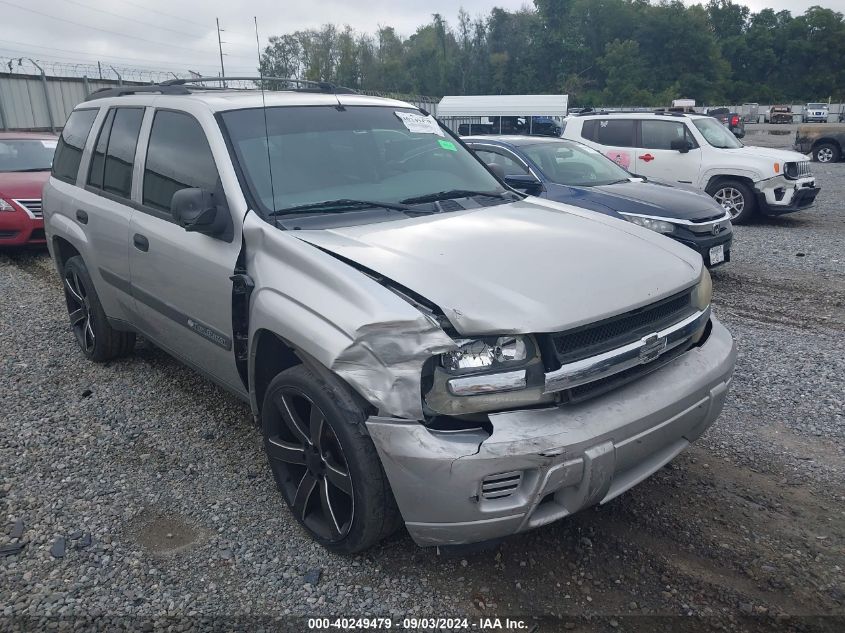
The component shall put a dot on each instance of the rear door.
(614, 137)
(181, 280)
(105, 208)
(655, 157)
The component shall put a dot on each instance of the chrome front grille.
(501, 485)
(596, 338)
(606, 354)
(31, 206)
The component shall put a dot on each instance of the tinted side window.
(178, 157)
(615, 132)
(98, 157)
(588, 130)
(510, 166)
(120, 157)
(71, 143)
(660, 134)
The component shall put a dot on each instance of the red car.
(25, 162)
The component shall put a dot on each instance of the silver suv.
(418, 342)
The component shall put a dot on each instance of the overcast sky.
(181, 35)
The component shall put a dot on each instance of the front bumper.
(18, 229)
(702, 244)
(777, 196)
(562, 458)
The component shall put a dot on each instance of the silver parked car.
(418, 342)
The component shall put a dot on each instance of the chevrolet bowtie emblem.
(652, 347)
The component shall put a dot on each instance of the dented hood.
(527, 266)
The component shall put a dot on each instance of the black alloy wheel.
(310, 464)
(97, 339)
(79, 311)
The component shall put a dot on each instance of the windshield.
(573, 164)
(717, 134)
(817, 106)
(26, 154)
(321, 153)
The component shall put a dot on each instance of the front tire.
(324, 464)
(97, 340)
(736, 198)
(826, 153)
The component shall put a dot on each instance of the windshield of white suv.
(573, 164)
(717, 134)
(817, 106)
(26, 154)
(326, 159)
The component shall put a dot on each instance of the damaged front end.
(483, 476)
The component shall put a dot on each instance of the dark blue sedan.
(566, 171)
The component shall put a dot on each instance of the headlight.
(5, 206)
(703, 292)
(650, 223)
(485, 353)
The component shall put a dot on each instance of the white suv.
(698, 150)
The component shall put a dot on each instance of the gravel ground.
(137, 489)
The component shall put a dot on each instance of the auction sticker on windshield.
(419, 123)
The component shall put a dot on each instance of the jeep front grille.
(800, 169)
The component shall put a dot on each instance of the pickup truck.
(824, 142)
(730, 120)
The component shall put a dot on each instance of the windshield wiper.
(450, 195)
(20, 171)
(341, 205)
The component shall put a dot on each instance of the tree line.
(599, 52)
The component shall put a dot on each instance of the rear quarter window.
(71, 144)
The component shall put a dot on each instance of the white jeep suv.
(698, 150)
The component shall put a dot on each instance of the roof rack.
(612, 112)
(187, 86)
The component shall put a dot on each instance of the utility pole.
(220, 47)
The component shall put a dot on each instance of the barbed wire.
(91, 70)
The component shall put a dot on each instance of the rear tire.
(736, 198)
(826, 153)
(97, 340)
(324, 464)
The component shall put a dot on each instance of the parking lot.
(140, 489)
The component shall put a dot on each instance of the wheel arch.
(271, 354)
(719, 178)
(827, 140)
(63, 250)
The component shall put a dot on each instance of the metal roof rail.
(187, 86)
(309, 85)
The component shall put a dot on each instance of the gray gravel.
(139, 489)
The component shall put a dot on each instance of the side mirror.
(524, 182)
(198, 210)
(681, 145)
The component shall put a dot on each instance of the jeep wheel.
(736, 198)
(98, 341)
(826, 153)
(326, 467)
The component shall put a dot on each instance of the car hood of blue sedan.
(643, 198)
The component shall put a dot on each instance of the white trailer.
(502, 113)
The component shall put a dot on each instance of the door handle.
(141, 242)
(646, 157)
(81, 216)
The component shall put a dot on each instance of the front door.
(655, 157)
(181, 280)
